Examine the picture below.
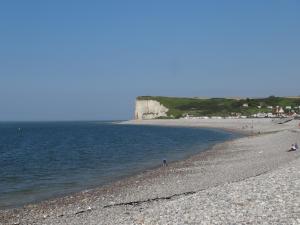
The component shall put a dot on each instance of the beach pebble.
(244, 181)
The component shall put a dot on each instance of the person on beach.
(293, 148)
(296, 146)
(164, 162)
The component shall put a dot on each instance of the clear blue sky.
(74, 60)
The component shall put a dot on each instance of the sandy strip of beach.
(251, 180)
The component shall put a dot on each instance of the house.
(216, 117)
(280, 111)
(270, 107)
(187, 116)
(245, 105)
(261, 115)
(259, 106)
(288, 107)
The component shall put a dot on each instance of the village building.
(278, 111)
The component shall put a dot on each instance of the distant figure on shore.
(293, 148)
(296, 146)
(164, 163)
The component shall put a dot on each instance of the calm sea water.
(41, 160)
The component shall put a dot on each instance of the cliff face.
(149, 109)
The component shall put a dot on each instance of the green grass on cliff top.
(179, 107)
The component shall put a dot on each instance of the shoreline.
(163, 184)
(123, 179)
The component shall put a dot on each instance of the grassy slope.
(219, 106)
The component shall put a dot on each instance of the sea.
(43, 160)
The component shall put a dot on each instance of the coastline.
(228, 162)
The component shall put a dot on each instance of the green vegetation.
(179, 107)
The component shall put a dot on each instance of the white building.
(261, 115)
(281, 110)
(216, 117)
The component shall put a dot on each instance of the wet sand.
(209, 188)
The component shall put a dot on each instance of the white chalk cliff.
(149, 109)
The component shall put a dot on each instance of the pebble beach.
(249, 180)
